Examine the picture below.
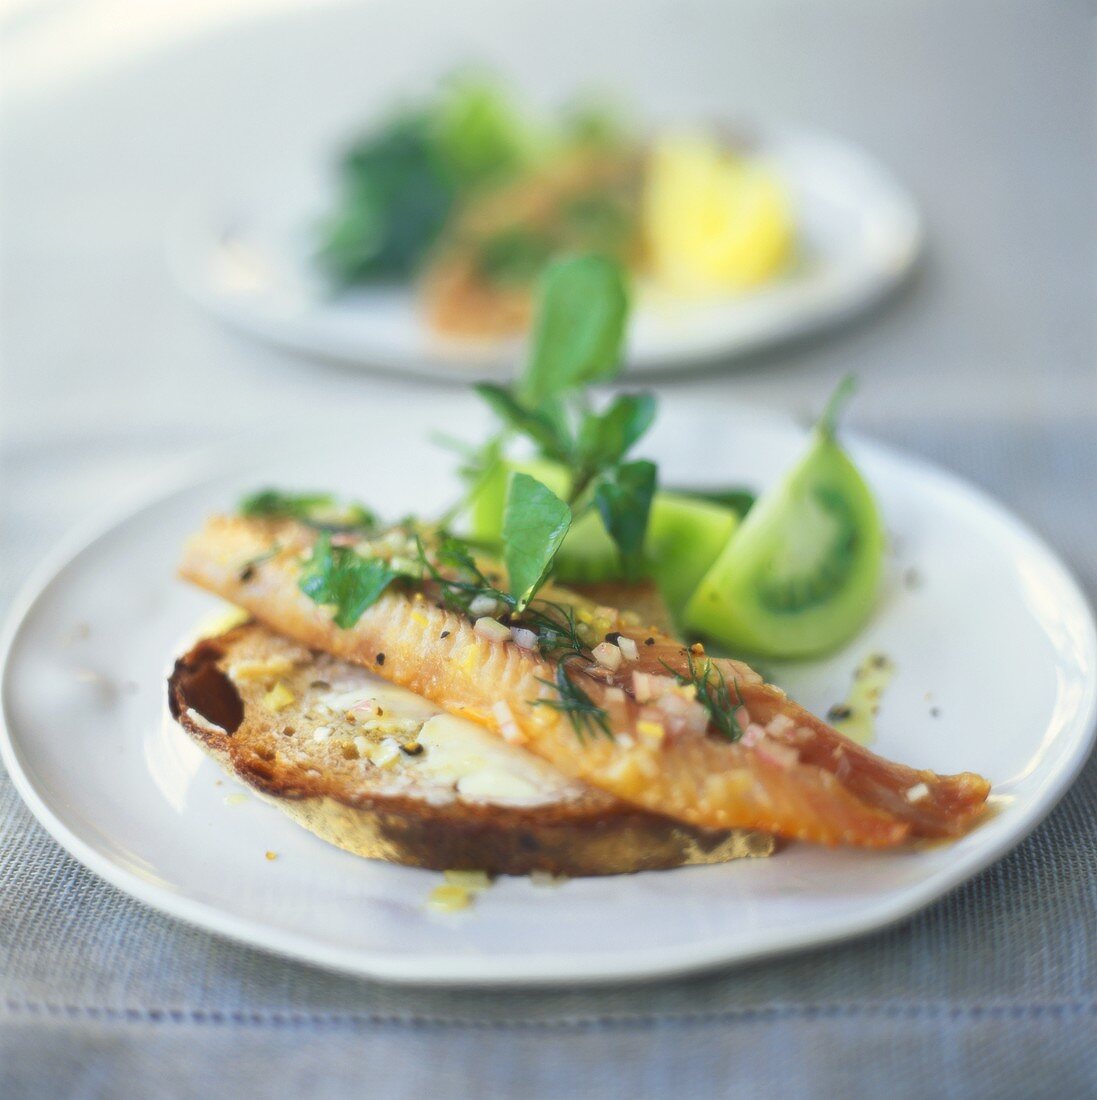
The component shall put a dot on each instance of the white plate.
(248, 260)
(997, 636)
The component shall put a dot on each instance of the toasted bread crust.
(586, 832)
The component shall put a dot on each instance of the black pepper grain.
(380, 658)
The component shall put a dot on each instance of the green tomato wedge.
(800, 575)
(685, 536)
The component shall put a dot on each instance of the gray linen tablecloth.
(985, 363)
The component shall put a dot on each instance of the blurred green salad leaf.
(479, 134)
(398, 184)
(395, 196)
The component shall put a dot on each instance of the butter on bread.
(382, 773)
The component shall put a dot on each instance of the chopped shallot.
(492, 629)
(607, 655)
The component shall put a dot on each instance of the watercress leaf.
(543, 427)
(579, 327)
(535, 522)
(273, 502)
(339, 576)
(623, 499)
(605, 438)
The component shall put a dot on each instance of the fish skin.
(836, 792)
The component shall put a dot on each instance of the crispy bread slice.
(380, 772)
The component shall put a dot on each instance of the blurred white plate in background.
(997, 639)
(248, 260)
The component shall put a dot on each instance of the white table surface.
(114, 111)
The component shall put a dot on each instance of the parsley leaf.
(340, 576)
(535, 522)
(579, 327)
(623, 499)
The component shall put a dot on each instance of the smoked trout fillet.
(607, 701)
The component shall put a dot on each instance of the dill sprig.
(584, 714)
(713, 694)
(460, 591)
(553, 623)
(555, 628)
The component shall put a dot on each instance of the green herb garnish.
(469, 582)
(713, 694)
(623, 498)
(340, 576)
(585, 716)
(534, 525)
(576, 341)
(276, 504)
(603, 439)
(579, 327)
(555, 627)
(320, 510)
(544, 426)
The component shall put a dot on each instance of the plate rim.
(452, 971)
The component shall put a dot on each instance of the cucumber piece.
(685, 536)
(740, 501)
(685, 533)
(587, 555)
(486, 507)
(800, 575)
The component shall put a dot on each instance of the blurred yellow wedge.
(713, 220)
